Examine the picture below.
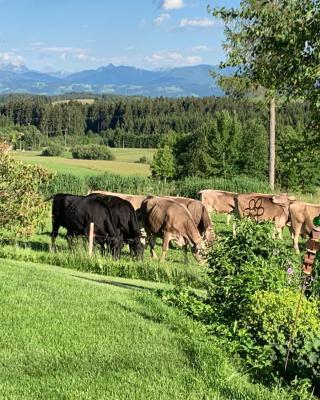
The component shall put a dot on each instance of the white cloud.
(160, 19)
(200, 48)
(172, 4)
(66, 52)
(12, 58)
(81, 56)
(172, 58)
(196, 23)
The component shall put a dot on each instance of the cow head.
(282, 199)
(136, 248)
(197, 252)
(209, 236)
(114, 245)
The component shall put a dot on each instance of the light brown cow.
(134, 199)
(172, 221)
(264, 207)
(301, 216)
(218, 201)
(199, 214)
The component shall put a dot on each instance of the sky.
(73, 35)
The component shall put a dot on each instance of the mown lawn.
(67, 337)
(125, 163)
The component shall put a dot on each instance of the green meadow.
(70, 335)
(125, 163)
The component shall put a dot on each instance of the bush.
(22, 208)
(92, 152)
(251, 261)
(268, 324)
(143, 160)
(53, 150)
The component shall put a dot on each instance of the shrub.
(268, 324)
(53, 150)
(143, 160)
(22, 208)
(92, 152)
(251, 261)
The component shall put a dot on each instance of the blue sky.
(73, 35)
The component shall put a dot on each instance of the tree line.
(136, 122)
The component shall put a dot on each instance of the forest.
(229, 137)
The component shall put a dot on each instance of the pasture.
(66, 334)
(126, 162)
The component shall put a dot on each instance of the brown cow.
(134, 199)
(218, 201)
(199, 214)
(172, 221)
(302, 215)
(264, 207)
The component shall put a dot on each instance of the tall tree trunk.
(272, 142)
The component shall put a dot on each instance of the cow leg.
(152, 243)
(279, 231)
(165, 245)
(228, 219)
(185, 253)
(54, 234)
(234, 231)
(70, 238)
(53, 247)
(296, 234)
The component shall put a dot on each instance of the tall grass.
(67, 183)
(173, 271)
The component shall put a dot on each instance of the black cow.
(75, 214)
(125, 219)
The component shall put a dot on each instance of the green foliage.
(224, 147)
(22, 208)
(268, 324)
(53, 150)
(276, 44)
(254, 150)
(250, 305)
(143, 160)
(248, 262)
(92, 152)
(189, 187)
(162, 165)
(132, 122)
(298, 154)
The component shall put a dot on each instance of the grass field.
(63, 335)
(124, 164)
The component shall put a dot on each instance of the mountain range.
(118, 80)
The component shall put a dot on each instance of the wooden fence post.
(91, 233)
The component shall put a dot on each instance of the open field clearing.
(125, 163)
(65, 336)
(81, 101)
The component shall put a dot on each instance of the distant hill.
(118, 80)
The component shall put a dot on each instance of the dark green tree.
(162, 165)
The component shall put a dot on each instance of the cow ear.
(292, 198)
